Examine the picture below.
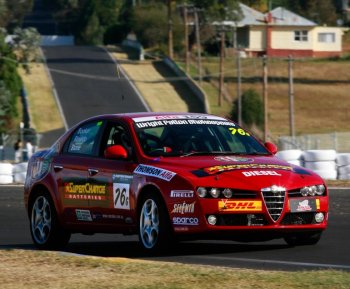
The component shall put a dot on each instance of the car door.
(72, 168)
(117, 174)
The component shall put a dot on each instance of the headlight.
(227, 193)
(215, 193)
(202, 192)
(313, 190)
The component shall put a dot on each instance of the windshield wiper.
(205, 153)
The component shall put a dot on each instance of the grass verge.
(38, 269)
(43, 108)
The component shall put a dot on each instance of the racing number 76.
(124, 199)
(240, 131)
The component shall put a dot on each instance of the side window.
(84, 138)
(116, 134)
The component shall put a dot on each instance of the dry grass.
(43, 108)
(321, 92)
(158, 94)
(33, 269)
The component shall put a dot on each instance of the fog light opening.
(319, 217)
(212, 220)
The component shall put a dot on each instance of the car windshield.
(188, 137)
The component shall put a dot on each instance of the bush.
(252, 109)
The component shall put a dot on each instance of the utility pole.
(291, 97)
(187, 52)
(222, 56)
(265, 78)
(199, 60)
(170, 32)
(239, 90)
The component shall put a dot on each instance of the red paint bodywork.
(187, 211)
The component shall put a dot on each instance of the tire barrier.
(322, 162)
(343, 163)
(6, 176)
(19, 173)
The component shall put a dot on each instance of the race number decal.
(121, 191)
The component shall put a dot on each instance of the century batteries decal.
(121, 191)
(154, 172)
(79, 189)
(223, 168)
(240, 205)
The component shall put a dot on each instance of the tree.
(252, 109)
(261, 5)
(25, 44)
(321, 12)
(10, 83)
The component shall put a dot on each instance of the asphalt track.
(333, 251)
(87, 83)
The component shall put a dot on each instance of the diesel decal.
(260, 173)
(240, 206)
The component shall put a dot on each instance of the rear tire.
(155, 233)
(46, 232)
(302, 239)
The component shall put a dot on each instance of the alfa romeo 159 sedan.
(170, 176)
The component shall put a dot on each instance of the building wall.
(335, 46)
(257, 38)
(283, 38)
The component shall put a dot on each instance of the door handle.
(57, 168)
(92, 172)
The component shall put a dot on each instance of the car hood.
(248, 172)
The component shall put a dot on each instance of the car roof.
(145, 114)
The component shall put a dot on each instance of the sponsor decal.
(83, 215)
(260, 173)
(86, 191)
(166, 120)
(121, 191)
(183, 208)
(240, 206)
(233, 159)
(181, 194)
(181, 229)
(303, 205)
(177, 116)
(99, 216)
(224, 168)
(154, 172)
(185, 221)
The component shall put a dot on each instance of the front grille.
(274, 200)
(241, 220)
(298, 219)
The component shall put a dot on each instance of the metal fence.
(339, 141)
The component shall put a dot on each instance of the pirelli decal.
(240, 206)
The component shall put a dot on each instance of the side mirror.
(272, 148)
(116, 152)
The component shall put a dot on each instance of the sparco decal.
(183, 208)
(240, 205)
(185, 221)
(154, 172)
(181, 194)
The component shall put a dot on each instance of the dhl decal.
(240, 206)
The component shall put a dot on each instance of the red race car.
(170, 176)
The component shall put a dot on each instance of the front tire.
(302, 239)
(155, 232)
(45, 229)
